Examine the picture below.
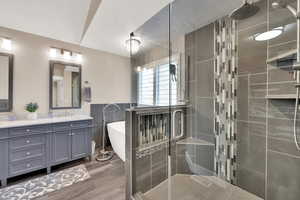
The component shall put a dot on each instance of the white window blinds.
(164, 94)
(146, 87)
(154, 87)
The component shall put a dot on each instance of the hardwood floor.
(107, 181)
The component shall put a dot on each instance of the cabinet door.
(79, 143)
(61, 150)
(3, 158)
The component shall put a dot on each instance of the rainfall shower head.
(245, 11)
(283, 4)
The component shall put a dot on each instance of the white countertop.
(18, 123)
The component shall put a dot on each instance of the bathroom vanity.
(30, 145)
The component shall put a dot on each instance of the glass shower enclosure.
(175, 155)
(208, 121)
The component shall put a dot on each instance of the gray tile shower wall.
(112, 114)
(151, 170)
(199, 57)
(283, 159)
(251, 102)
(268, 161)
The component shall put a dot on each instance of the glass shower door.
(151, 80)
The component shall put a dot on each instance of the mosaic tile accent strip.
(225, 99)
(41, 186)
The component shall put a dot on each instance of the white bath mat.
(40, 186)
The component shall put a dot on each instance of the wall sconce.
(6, 44)
(65, 55)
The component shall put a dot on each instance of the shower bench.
(27, 146)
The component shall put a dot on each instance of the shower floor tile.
(191, 187)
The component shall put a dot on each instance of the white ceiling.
(58, 19)
(112, 23)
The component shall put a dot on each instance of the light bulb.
(53, 52)
(78, 57)
(6, 44)
(67, 55)
(139, 69)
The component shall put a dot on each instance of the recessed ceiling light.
(269, 34)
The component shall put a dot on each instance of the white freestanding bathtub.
(116, 133)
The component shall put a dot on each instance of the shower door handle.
(174, 136)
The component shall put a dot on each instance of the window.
(154, 86)
(146, 87)
(163, 84)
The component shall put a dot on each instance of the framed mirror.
(65, 85)
(6, 82)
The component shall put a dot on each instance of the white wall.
(109, 74)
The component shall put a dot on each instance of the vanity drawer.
(20, 131)
(29, 152)
(3, 133)
(61, 126)
(20, 142)
(71, 125)
(81, 124)
(24, 166)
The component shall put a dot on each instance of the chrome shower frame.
(105, 155)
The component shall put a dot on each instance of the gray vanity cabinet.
(61, 147)
(79, 143)
(3, 156)
(29, 148)
(71, 141)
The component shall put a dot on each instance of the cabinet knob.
(28, 165)
(28, 153)
(28, 130)
(27, 141)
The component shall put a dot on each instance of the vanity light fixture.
(133, 44)
(65, 55)
(275, 32)
(6, 44)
